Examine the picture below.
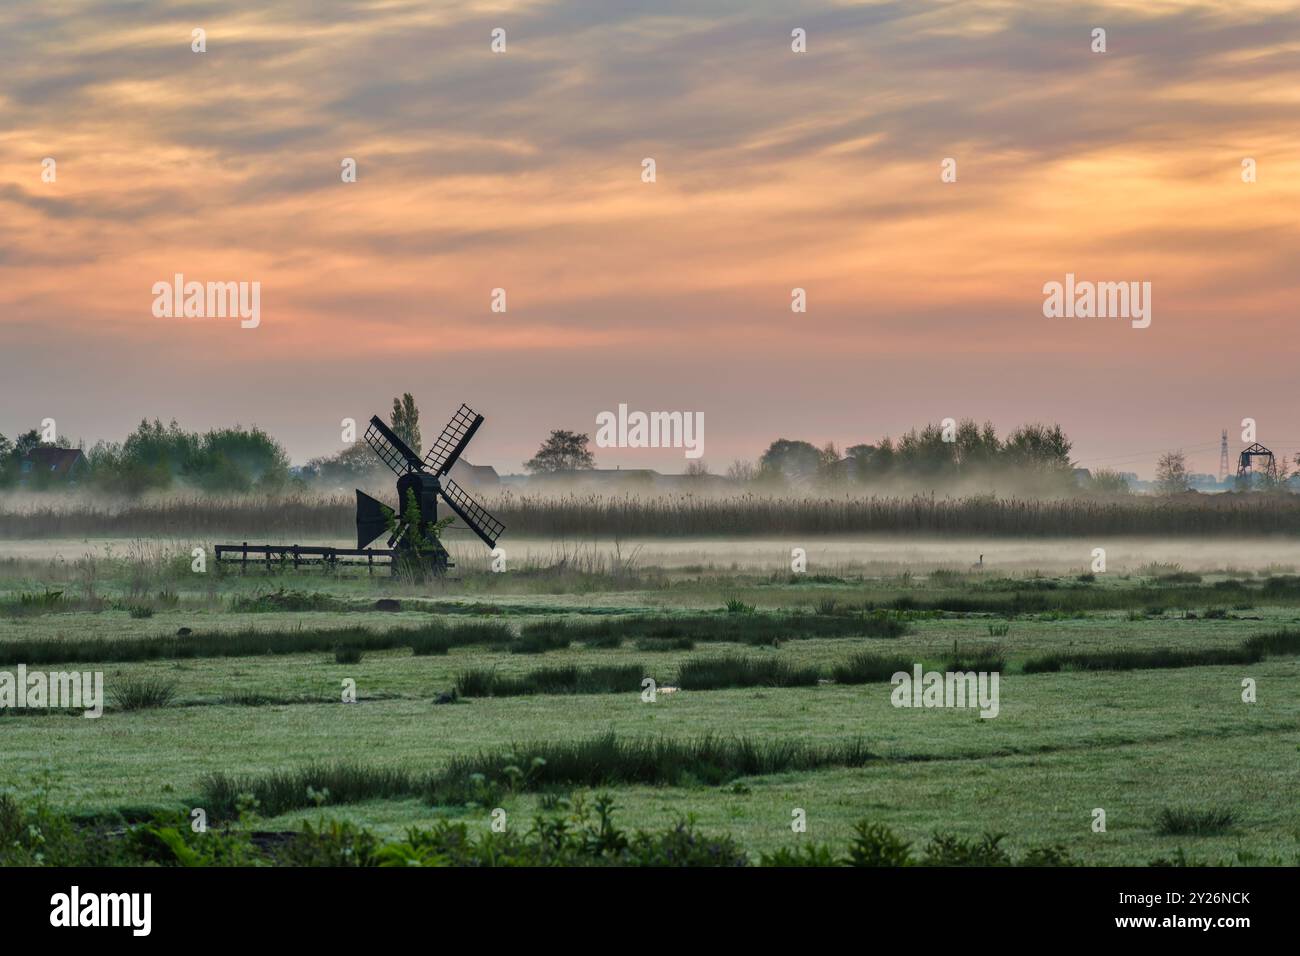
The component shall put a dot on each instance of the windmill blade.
(472, 513)
(444, 452)
(392, 451)
(372, 518)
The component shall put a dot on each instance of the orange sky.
(522, 171)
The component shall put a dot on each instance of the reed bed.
(308, 516)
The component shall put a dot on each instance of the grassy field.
(1135, 742)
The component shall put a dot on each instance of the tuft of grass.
(735, 671)
(430, 645)
(1184, 821)
(659, 644)
(865, 668)
(319, 783)
(347, 654)
(570, 679)
(138, 611)
(542, 636)
(142, 693)
(1147, 659)
(990, 658)
(1276, 644)
(999, 630)
(282, 600)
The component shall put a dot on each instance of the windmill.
(420, 483)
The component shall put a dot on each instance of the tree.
(562, 451)
(697, 469)
(357, 462)
(406, 421)
(976, 448)
(221, 460)
(791, 459)
(1171, 472)
(1038, 446)
(742, 470)
(1104, 481)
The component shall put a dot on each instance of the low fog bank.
(868, 556)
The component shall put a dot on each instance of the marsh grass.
(1184, 821)
(567, 679)
(347, 654)
(606, 759)
(246, 643)
(988, 658)
(867, 668)
(750, 627)
(710, 760)
(663, 644)
(713, 673)
(141, 693)
(1142, 659)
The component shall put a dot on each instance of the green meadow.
(289, 698)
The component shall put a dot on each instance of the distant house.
(474, 476)
(64, 465)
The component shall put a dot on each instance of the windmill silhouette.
(413, 543)
(420, 483)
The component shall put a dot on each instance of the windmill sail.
(372, 518)
(392, 451)
(472, 513)
(448, 446)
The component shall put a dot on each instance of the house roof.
(60, 462)
(474, 474)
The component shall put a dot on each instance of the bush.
(949, 850)
(874, 844)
